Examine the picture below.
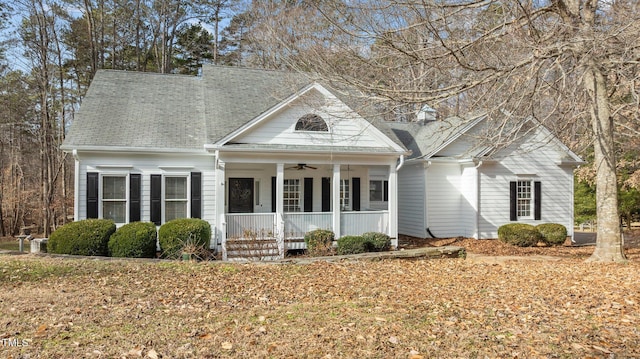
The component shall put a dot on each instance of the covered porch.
(282, 201)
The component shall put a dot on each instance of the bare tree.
(572, 64)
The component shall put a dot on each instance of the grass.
(12, 245)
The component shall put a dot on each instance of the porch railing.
(263, 224)
(297, 224)
(356, 223)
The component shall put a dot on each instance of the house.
(253, 152)
(467, 176)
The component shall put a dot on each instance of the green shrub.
(519, 234)
(353, 245)
(553, 233)
(89, 237)
(134, 240)
(176, 234)
(379, 242)
(319, 241)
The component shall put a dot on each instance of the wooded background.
(571, 64)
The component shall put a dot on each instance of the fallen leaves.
(396, 309)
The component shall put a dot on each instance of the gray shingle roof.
(425, 139)
(140, 110)
(134, 110)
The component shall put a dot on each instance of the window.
(311, 122)
(175, 198)
(378, 191)
(525, 197)
(345, 198)
(291, 195)
(114, 198)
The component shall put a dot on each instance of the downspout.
(477, 166)
(426, 196)
(400, 164)
(76, 186)
(220, 217)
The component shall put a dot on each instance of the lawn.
(442, 308)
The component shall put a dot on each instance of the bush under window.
(179, 233)
(89, 237)
(519, 234)
(134, 240)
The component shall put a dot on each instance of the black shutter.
(196, 195)
(513, 196)
(385, 189)
(92, 194)
(308, 194)
(135, 184)
(326, 194)
(355, 184)
(156, 199)
(537, 198)
(273, 194)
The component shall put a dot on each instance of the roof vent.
(426, 114)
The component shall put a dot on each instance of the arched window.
(311, 122)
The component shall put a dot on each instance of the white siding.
(468, 201)
(444, 216)
(537, 163)
(346, 127)
(411, 200)
(464, 145)
(146, 165)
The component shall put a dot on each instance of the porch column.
(335, 195)
(280, 208)
(393, 205)
(221, 228)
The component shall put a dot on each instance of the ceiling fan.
(301, 166)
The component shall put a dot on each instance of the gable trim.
(261, 118)
(457, 135)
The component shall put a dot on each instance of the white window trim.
(126, 189)
(300, 195)
(532, 201)
(163, 194)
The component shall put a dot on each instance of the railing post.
(280, 236)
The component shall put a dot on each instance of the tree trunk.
(609, 239)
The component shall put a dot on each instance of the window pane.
(114, 187)
(344, 194)
(375, 190)
(176, 188)
(116, 211)
(175, 209)
(524, 198)
(291, 195)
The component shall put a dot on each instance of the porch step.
(252, 250)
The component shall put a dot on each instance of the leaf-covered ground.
(442, 308)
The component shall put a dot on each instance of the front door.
(240, 195)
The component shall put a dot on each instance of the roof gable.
(345, 127)
(474, 137)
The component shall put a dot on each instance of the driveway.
(584, 238)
